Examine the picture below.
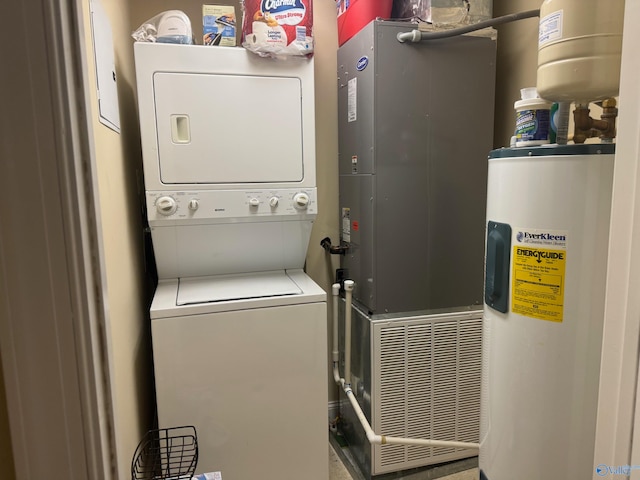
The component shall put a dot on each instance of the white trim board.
(617, 442)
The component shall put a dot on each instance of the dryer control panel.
(225, 206)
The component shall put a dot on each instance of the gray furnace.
(415, 128)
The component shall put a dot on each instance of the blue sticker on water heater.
(362, 63)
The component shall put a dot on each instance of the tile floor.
(337, 471)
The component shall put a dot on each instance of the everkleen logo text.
(545, 236)
(525, 236)
(540, 254)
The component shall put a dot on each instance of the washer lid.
(235, 287)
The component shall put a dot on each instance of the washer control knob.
(254, 202)
(193, 205)
(166, 206)
(273, 202)
(301, 201)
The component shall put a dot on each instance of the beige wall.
(118, 166)
(516, 65)
(320, 265)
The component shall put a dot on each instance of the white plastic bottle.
(532, 119)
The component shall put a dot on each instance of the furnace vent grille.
(426, 379)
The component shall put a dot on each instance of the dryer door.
(216, 129)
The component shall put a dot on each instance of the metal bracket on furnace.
(333, 249)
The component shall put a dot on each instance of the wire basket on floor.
(166, 454)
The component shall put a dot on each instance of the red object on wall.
(353, 15)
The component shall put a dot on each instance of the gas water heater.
(548, 212)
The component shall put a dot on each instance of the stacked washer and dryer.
(239, 330)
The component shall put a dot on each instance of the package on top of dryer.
(172, 26)
(219, 25)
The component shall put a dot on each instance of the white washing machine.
(250, 374)
(239, 330)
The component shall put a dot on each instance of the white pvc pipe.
(335, 290)
(336, 375)
(348, 288)
(428, 443)
(371, 435)
(383, 439)
(345, 383)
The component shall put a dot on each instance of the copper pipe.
(609, 115)
(587, 127)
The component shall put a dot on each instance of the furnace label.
(352, 100)
(346, 225)
(538, 275)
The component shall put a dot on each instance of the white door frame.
(617, 441)
(52, 311)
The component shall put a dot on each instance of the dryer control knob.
(166, 206)
(273, 202)
(301, 201)
(254, 202)
(193, 204)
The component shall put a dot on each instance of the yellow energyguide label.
(538, 282)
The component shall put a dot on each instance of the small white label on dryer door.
(352, 114)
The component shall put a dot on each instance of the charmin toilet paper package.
(278, 28)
